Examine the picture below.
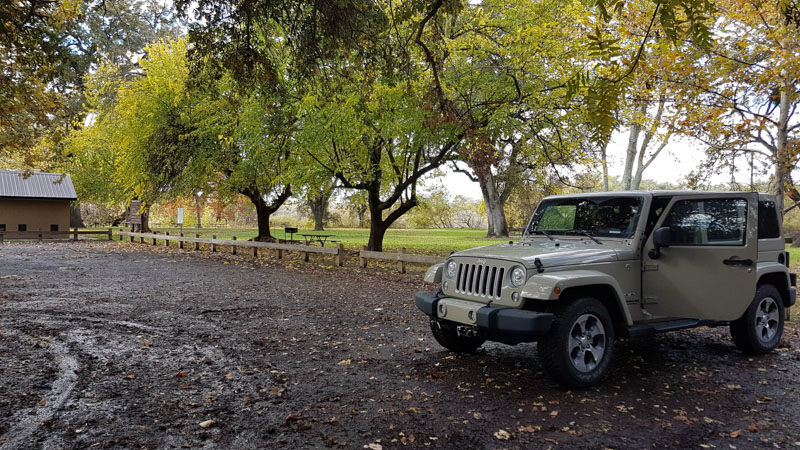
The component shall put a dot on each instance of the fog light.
(515, 297)
(446, 285)
(442, 310)
(471, 316)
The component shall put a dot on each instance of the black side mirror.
(661, 239)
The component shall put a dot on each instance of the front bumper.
(490, 319)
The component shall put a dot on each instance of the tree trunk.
(630, 154)
(377, 230)
(263, 214)
(604, 163)
(264, 210)
(495, 206)
(144, 227)
(377, 224)
(198, 211)
(319, 209)
(75, 219)
(783, 163)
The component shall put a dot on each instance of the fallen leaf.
(346, 362)
(374, 446)
(735, 434)
(207, 423)
(182, 373)
(293, 416)
(530, 428)
(554, 414)
(229, 375)
(752, 428)
(503, 435)
(43, 402)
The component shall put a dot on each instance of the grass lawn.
(425, 241)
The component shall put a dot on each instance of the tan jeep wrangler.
(592, 267)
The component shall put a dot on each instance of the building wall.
(38, 215)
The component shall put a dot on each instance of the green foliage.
(46, 48)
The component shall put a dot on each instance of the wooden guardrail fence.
(41, 235)
(213, 242)
(402, 258)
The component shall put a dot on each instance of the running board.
(661, 327)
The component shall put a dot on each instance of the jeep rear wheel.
(760, 328)
(578, 349)
(446, 334)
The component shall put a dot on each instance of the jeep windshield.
(586, 216)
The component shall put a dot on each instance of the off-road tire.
(760, 328)
(445, 334)
(557, 350)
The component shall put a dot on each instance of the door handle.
(738, 262)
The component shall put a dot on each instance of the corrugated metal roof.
(37, 185)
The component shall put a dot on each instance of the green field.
(425, 241)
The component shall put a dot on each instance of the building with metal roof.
(35, 202)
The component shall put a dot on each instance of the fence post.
(1, 237)
(340, 255)
(75, 234)
(233, 247)
(361, 259)
(180, 243)
(255, 252)
(213, 245)
(154, 238)
(166, 242)
(111, 234)
(197, 244)
(400, 258)
(280, 253)
(305, 256)
(40, 236)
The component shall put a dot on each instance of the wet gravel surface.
(122, 345)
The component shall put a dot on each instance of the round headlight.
(517, 277)
(451, 269)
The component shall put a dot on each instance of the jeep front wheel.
(760, 328)
(578, 349)
(446, 334)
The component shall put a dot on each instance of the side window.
(22, 227)
(53, 227)
(2, 227)
(719, 221)
(768, 227)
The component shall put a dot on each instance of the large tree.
(46, 49)
(748, 86)
(499, 71)
(375, 136)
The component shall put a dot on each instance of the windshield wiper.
(544, 233)
(587, 234)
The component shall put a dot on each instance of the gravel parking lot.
(123, 345)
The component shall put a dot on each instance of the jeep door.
(708, 270)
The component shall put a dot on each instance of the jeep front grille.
(480, 280)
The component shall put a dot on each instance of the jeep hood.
(550, 254)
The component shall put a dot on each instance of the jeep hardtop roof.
(656, 193)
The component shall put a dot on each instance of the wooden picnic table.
(316, 237)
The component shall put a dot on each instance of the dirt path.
(110, 345)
